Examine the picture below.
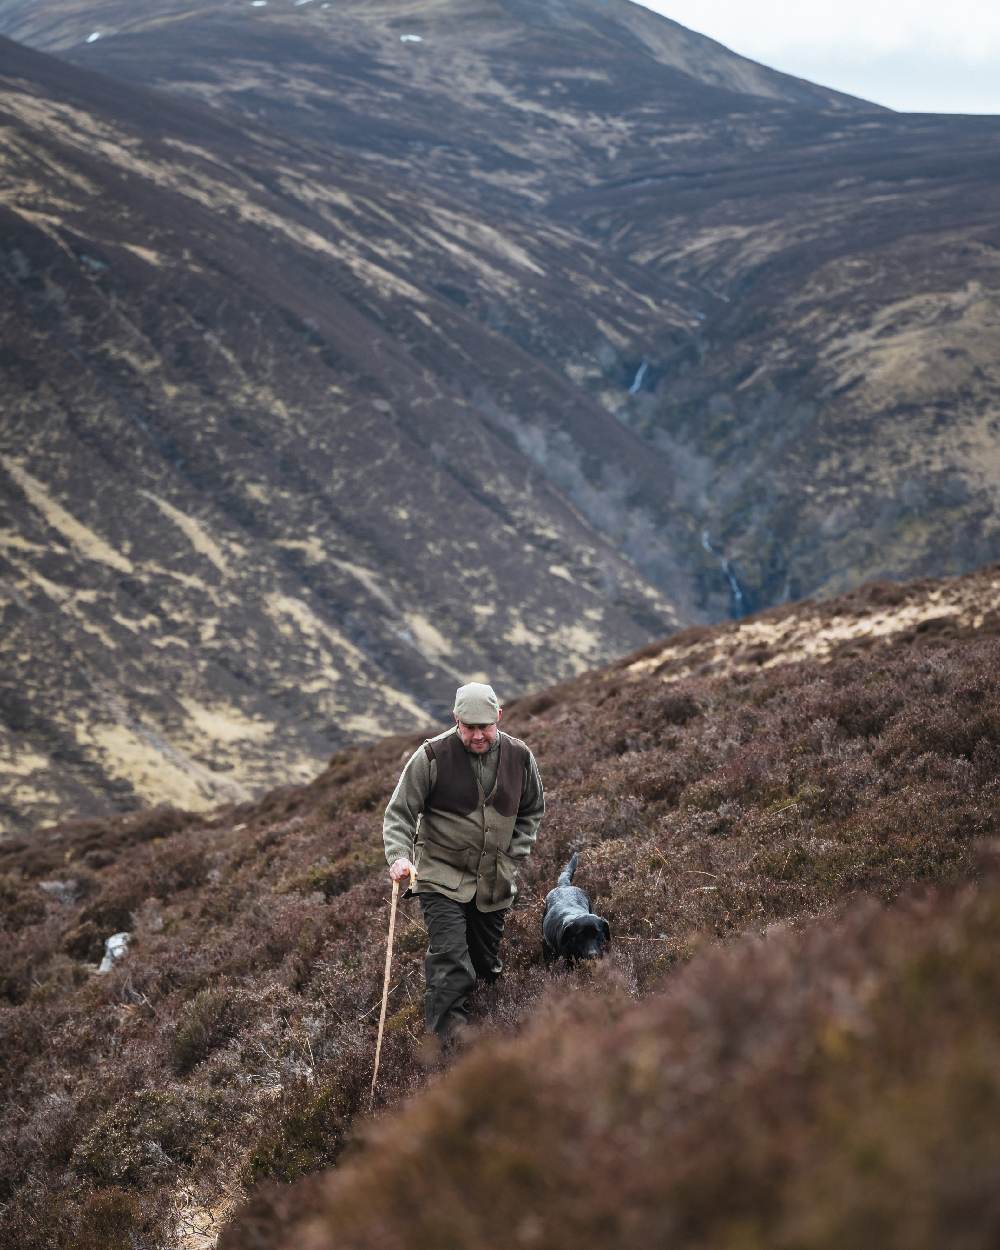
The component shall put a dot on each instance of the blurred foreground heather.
(835, 1077)
(835, 1089)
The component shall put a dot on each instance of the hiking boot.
(456, 1038)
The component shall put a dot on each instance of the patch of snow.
(94, 37)
(411, 38)
(258, 4)
(114, 948)
(299, 2)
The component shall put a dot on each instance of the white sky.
(914, 55)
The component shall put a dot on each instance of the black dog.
(569, 928)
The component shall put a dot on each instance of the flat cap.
(477, 704)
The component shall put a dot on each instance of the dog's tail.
(566, 876)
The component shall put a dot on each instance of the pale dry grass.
(80, 537)
(807, 635)
(158, 771)
(193, 531)
(224, 723)
(918, 347)
(198, 1223)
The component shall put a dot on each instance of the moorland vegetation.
(792, 1043)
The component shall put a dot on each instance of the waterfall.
(739, 604)
(636, 386)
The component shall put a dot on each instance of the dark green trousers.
(463, 948)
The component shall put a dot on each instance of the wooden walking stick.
(388, 966)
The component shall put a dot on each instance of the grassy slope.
(745, 1080)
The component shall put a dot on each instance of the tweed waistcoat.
(465, 835)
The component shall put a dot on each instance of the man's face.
(476, 738)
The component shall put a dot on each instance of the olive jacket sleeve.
(402, 815)
(529, 813)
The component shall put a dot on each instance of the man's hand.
(400, 869)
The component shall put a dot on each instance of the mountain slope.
(842, 404)
(232, 1045)
(243, 492)
(832, 264)
(516, 30)
(669, 334)
(818, 252)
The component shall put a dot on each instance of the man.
(464, 815)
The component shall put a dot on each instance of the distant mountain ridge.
(339, 366)
(57, 26)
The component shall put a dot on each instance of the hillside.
(244, 492)
(824, 390)
(823, 777)
(844, 399)
(820, 1091)
(313, 310)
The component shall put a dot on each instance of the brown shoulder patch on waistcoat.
(456, 789)
(510, 775)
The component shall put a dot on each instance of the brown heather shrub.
(92, 843)
(21, 903)
(84, 942)
(308, 1127)
(333, 878)
(704, 809)
(112, 1219)
(212, 1017)
(103, 1219)
(835, 1088)
(150, 1133)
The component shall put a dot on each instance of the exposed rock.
(115, 948)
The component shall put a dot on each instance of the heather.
(726, 819)
(797, 1092)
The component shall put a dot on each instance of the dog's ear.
(606, 929)
(573, 935)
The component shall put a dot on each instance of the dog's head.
(585, 937)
